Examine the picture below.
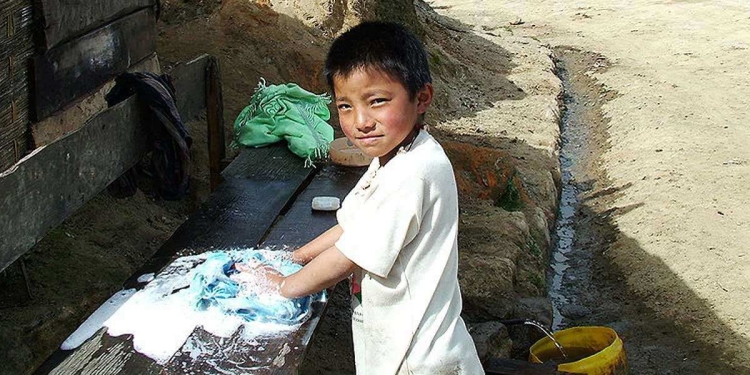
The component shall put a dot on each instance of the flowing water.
(541, 327)
(568, 263)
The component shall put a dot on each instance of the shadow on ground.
(659, 336)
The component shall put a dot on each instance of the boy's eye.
(342, 107)
(378, 101)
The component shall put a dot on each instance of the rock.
(574, 311)
(491, 340)
(534, 308)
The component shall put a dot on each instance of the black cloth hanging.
(170, 140)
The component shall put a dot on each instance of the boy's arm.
(324, 271)
(312, 249)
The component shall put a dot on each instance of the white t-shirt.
(400, 224)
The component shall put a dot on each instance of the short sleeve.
(382, 225)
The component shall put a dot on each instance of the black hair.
(385, 46)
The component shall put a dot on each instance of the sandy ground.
(676, 156)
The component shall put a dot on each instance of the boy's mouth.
(369, 139)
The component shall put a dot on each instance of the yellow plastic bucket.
(598, 350)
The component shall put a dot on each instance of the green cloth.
(286, 112)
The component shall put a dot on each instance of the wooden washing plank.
(42, 189)
(102, 354)
(274, 162)
(239, 213)
(279, 354)
(71, 70)
(300, 223)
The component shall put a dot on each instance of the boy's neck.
(406, 144)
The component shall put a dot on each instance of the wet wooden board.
(234, 355)
(65, 19)
(279, 354)
(239, 213)
(101, 354)
(257, 187)
(300, 223)
(98, 56)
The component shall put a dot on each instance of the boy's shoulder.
(426, 159)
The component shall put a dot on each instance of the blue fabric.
(212, 286)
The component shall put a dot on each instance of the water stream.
(566, 258)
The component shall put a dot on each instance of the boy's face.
(376, 112)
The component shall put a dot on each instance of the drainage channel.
(570, 264)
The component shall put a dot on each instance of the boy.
(397, 228)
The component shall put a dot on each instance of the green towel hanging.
(286, 112)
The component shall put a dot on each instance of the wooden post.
(215, 119)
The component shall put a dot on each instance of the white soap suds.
(161, 317)
(96, 320)
(147, 277)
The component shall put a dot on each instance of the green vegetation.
(511, 198)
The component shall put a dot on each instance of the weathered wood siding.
(40, 191)
(74, 69)
(16, 48)
(53, 181)
(66, 19)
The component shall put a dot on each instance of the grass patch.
(511, 198)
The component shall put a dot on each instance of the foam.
(162, 316)
(145, 278)
(96, 320)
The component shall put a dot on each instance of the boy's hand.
(257, 270)
(299, 257)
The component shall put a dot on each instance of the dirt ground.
(667, 212)
(663, 210)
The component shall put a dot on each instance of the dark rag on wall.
(170, 153)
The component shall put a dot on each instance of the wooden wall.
(82, 46)
(16, 49)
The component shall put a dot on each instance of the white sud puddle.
(97, 319)
(161, 317)
(145, 278)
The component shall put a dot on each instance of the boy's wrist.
(299, 257)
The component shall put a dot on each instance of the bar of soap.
(326, 203)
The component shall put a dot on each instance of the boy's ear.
(424, 98)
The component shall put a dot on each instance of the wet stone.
(491, 340)
(574, 311)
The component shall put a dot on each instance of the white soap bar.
(326, 203)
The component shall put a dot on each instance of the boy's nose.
(363, 121)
